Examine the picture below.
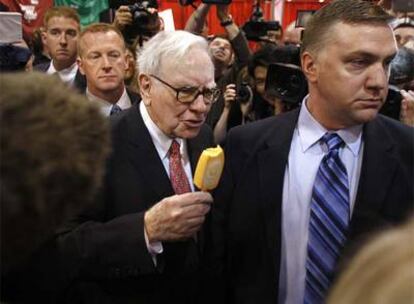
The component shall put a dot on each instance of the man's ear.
(80, 65)
(43, 35)
(309, 66)
(144, 82)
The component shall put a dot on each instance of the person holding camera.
(138, 22)
(230, 53)
(249, 101)
(301, 188)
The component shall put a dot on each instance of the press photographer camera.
(256, 29)
(285, 79)
(401, 77)
(244, 93)
(137, 19)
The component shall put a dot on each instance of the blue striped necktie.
(328, 223)
(115, 109)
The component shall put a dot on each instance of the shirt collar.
(161, 141)
(310, 131)
(124, 102)
(66, 75)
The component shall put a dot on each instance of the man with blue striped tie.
(300, 188)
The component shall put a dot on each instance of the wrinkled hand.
(177, 217)
(222, 11)
(407, 108)
(229, 95)
(123, 17)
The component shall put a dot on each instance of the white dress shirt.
(124, 102)
(162, 144)
(305, 155)
(67, 75)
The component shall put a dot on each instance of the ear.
(126, 60)
(144, 82)
(309, 66)
(43, 35)
(80, 65)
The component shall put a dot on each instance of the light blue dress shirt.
(304, 158)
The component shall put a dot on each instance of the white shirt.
(67, 75)
(124, 102)
(162, 144)
(306, 153)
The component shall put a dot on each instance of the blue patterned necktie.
(329, 220)
(115, 109)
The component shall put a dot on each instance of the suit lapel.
(144, 156)
(272, 163)
(378, 168)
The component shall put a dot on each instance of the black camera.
(402, 67)
(392, 105)
(144, 23)
(255, 30)
(285, 79)
(402, 73)
(286, 82)
(244, 93)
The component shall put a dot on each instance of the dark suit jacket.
(244, 248)
(105, 245)
(80, 80)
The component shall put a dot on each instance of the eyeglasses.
(187, 95)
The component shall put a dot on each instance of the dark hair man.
(60, 35)
(53, 149)
(299, 186)
(140, 243)
(102, 59)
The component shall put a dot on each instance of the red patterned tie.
(178, 178)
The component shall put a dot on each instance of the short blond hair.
(98, 28)
(61, 11)
(382, 272)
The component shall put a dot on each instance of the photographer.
(250, 101)
(229, 53)
(138, 22)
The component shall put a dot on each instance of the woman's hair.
(382, 272)
(54, 144)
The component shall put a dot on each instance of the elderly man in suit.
(141, 242)
(300, 186)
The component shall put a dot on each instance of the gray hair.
(173, 46)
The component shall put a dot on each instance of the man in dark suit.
(299, 186)
(62, 27)
(102, 59)
(141, 242)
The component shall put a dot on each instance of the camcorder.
(401, 74)
(285, 79)
(144, 23)
(255, 30)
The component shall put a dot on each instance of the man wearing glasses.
(140, 243)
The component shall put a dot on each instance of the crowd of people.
(100, 139)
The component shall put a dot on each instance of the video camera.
(285, 79)
(255, 30)
(402, 73)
